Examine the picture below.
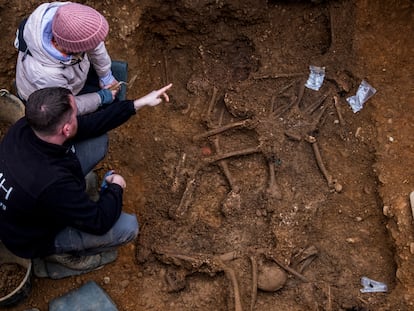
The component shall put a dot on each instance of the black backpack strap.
(22, 43)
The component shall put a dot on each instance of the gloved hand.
(104, 184)
(107, 96)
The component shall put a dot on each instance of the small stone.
(124, 283)
(338, 187)
(106, 280)
(412, 248)
(386, 211)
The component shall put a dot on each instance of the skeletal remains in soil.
(293, 120)
(268, 273)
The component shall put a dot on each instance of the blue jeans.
(74, 241)
(90, 152)
(119, 71)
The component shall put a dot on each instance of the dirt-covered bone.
(332, 183)
(205, 263)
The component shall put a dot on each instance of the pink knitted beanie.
(78, 28)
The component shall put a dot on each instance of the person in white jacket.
(61, 44)
(57, 45)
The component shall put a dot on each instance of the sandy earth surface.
(253, 191)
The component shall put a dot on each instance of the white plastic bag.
(365, 92)
(316, 76)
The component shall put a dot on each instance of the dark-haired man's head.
(52, 111)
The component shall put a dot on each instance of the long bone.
(338, 110)
(211, 106)
(222, 163)
(332, 183)
(177, 171)
(268, 254)
(231, 154)
(232, 200)
(288, 269)
(218, 130)
(273, 189)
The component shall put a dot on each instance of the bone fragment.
(338, 110)
(329, 304)
(185, 199)
(254, 282)
(286, 88)
(211, 104)
(176, 181)
(278, 75)
(131, 82)
(300, 93)
(293, 135)
(223, 164)
(304, 258)
(282, 109)
(312, 107)
(290, 270)
(273, 190)
(165, 73)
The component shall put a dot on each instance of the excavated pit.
(245, 162)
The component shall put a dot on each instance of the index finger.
(164, 89)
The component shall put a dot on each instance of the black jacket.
(42, 188)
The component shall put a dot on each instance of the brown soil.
(11, 276)
(248, 60)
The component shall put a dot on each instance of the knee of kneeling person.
(130, 228)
